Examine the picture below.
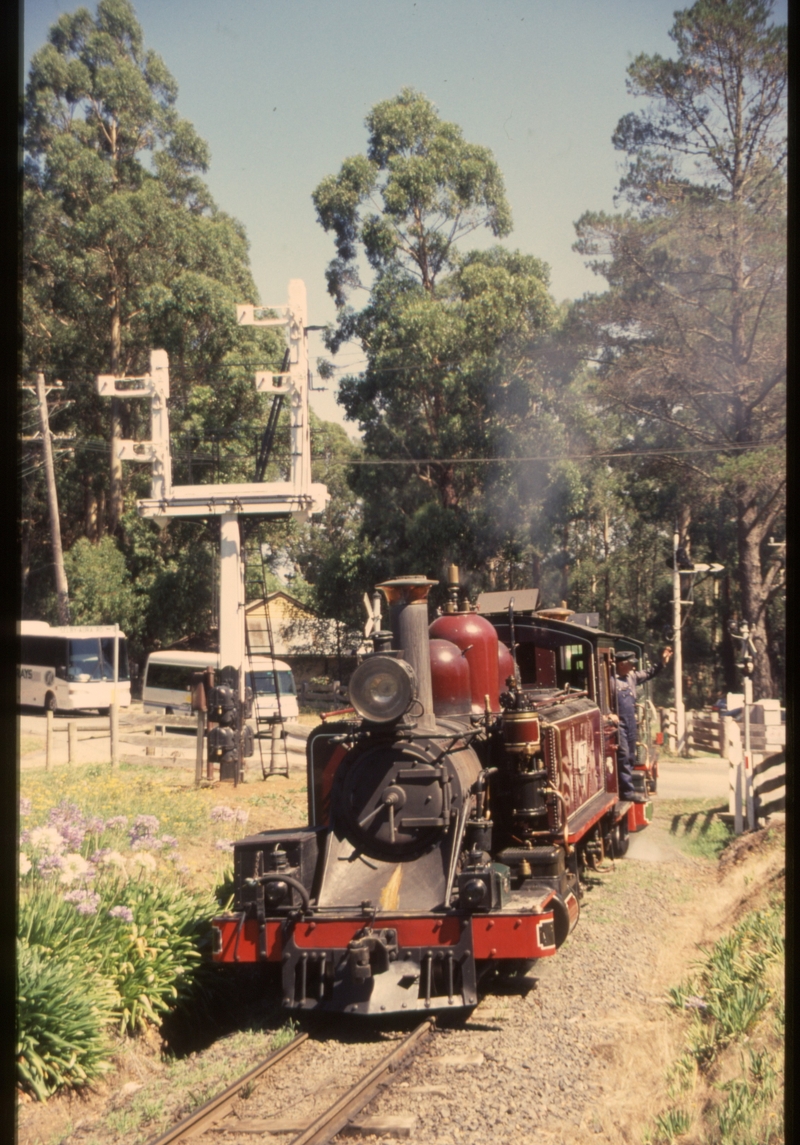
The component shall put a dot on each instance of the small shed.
(313, 645)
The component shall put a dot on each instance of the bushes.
(103, 937)
(63, 1014)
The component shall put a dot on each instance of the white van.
(168, 683)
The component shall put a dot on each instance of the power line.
(611, 454)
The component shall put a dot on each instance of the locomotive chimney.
(407, 597)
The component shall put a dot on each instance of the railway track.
(239, 1114)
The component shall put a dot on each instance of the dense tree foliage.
(690, 336)
(439, 331)
(124, 251)
(529, 444)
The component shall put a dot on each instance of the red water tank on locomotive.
(477, 639)
(450, 679)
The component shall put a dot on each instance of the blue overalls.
(625, 689)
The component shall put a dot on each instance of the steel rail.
(334, 1119)
(215, 1104)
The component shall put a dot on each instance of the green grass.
(696, 825)
(733, 1008)
(134, 789)
(27, 744)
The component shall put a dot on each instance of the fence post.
(48, 743)
(72, 739)
(113, 715)
(198, 765)
(733, 750)
(671, 730)
(689, 718)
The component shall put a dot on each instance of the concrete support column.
(231, 597)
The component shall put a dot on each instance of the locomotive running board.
(586, 817)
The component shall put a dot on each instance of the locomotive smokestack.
(407, 597)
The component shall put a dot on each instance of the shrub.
(63, 1009)
(144, 937)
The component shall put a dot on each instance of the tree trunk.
(606, 573)
(90, 518)
(62, 592)
(754, 605)
(115, 482)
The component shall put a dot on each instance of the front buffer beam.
(403, 964)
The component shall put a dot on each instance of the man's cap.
(625, 654)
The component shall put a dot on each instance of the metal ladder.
(278, 736)
(279, 752)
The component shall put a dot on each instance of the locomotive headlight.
(382, 688)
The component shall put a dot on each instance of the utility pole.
(689, 569)
(62, 591)
(680, 711)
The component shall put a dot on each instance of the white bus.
(168, 683)
(71, 668)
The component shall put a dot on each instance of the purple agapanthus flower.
(85, 902)
(169, 840)
(146, 844)
(124, 913)
(222, 814)
(89, 904)
(144, 827)
(67, 818)
(95, 826)
(116, 823)
(50, 865)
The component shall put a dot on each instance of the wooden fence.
(757, 787)
(323, 696)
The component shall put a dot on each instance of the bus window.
(84, 660)
(107, 649)
(263, 683)
(171, 677)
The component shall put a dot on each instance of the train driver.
(624, 692)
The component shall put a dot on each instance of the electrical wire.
(102, 447)
(610, 454)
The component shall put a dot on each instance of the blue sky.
(279, 89)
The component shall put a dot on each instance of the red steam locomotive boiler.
(450, 816)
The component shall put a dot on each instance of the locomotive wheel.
(620, 839)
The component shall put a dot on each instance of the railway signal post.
(682, 567)
(298, 497)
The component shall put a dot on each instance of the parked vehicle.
(71, 667)
(168, 683)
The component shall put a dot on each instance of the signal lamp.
(382, 689)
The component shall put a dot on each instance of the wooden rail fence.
(757, 787)
(314, 695)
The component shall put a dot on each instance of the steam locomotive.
(451, 812)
